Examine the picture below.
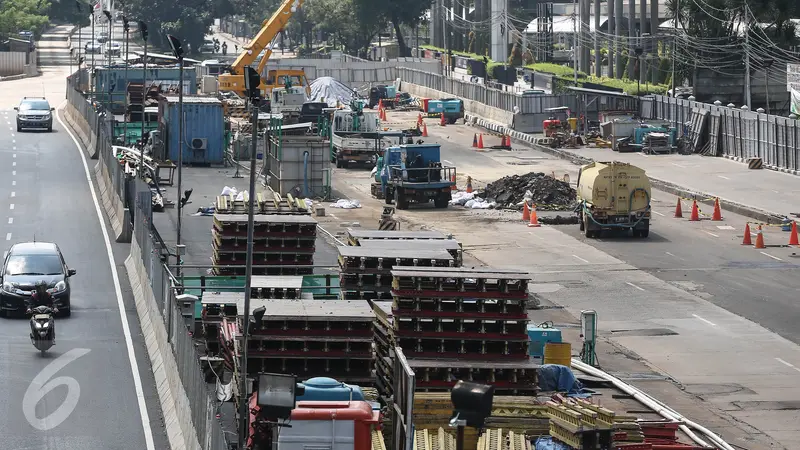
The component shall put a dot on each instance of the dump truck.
(413, 173)
(613, 196)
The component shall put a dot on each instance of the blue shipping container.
(113, 79)
(541, 336)
(203, 129)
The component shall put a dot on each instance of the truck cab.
(413, 173)
(288, 101)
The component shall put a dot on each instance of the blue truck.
(451, 108)
(413, 173)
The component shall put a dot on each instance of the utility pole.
(143, 31)
(598, 58)
(252, 81)
(675, 43)
(91, 71)
(747, 94)
(177, 51)
(575, 40)
(126, 29)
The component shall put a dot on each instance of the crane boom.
(269, 30)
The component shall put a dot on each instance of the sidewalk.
(764, 195)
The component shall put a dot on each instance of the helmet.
(41, 287)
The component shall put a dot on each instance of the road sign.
(792, 75)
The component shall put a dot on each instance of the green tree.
(189, 20)
(20, 15)
(353, 26)
(398, 13)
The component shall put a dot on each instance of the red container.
(425, 104)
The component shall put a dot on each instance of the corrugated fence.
(12, 63)
(733, 132)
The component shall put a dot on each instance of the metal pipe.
(91, 71)
(144, 96)
(243, 410)
(180, 158)
(125, 110)
(663, 410)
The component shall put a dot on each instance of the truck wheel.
(339, 163)
(441, 201)
(400, 200)
(589, 233)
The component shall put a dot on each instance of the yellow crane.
(234, 81)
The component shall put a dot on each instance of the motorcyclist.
(40, 297)
(224, 48)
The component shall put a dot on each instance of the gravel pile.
(544, 191)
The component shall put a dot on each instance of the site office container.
(203, 129)
(112, 81)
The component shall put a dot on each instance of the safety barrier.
(187, 402)
(735, 133)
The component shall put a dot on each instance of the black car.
(34, 113)
(27, 264)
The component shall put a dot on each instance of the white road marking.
(11, 206)
(678, 165)
(656, 212)
(725, 227)
(776, 192)
(13, 172)
(5, 253)
(10, 220)
(580, 259)
(14, 164)
(13, 182)
(704, 320)
(447, 162)
(710, 233)
(14, 155)
(633, 285)
(8, 236)
(126, 329)
(13, 193)
(773, 257)
(724, 178)
(787, 364)
(670, 254)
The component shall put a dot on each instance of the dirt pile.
(543, 190)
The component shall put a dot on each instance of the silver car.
(34, 112)
(113, 48)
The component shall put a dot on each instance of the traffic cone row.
(748, 240)
(695, 217)
(534, 220)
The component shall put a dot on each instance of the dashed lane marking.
(11, 206)
(723, 177)
(635, 286)
(656, 212)
(704, 320)
(8, 236)
(13, 182)
(788, 364)
(13, 193)
(580, 259)
(725, 227)
(670, 254)
(710, 233)
(773, 257)
(10, 220)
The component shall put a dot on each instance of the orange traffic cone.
(480, 141)
(678, 209)
(717, 212)
(534, 220)
(747, 239)
(469, 185)
(526, 212)
(380, 104)
(475, 140)
(442, 121)
(793, 237)
(453, 187)
(760, 238)
(695, 212)
(424, 129)
(419, 119)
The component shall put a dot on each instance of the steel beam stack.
(355, 236)
(308, 338)
(460, 323)
(279, 240)
(581, 424)
(365, 273)
(384, 348)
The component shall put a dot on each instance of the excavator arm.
(263, 40)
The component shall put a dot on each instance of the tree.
(189, 20)
(21, 15)
(398, 12)
(350, 24)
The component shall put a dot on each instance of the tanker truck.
(613, 196)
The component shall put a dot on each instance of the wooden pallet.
(266, 202)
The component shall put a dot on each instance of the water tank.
(209, 84)
(329, 390)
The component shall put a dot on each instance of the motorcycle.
(43, 334)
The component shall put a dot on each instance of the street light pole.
(143, 31)
(91, 71)
(177, 50)
(126, 29)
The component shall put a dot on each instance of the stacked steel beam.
(308, 338)
(365, 273)
(384, 348)
(460, 323)
(280, 240)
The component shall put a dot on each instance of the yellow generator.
(613, 196)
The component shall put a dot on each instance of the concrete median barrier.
(171, 392)
(82, 130)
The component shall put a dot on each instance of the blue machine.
(415, 174)
(203, 129)
(452, 108)
(640, 132)
(539, 336)
(324, 389)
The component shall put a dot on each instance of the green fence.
(321, 286)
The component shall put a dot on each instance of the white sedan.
(113, 48)
(93, 47)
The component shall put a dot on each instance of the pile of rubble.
(546, 192)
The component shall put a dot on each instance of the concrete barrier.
(472, 107)
(171, 393)
(663, 185)
(82, 130)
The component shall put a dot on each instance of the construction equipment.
(613, 195)
(558, 121)
(270, 29)
(451, 108)
(356, 136)
(289, 101)
(414, 173)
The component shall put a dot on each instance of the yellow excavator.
(234, 81)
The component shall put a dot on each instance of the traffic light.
(125, 24)
(143, 29)
(252, 81)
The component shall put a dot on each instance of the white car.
(113, 48)
(93, 47)
(102, 37)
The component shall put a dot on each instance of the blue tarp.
(555, 377)
(547, 443)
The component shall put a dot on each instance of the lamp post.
(108, 55)
(251, 80)
(143, 31)
(91, 71)
(127, 29)
(177, 51)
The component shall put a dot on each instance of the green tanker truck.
(613, 196)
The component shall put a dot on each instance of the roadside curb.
(662, 185)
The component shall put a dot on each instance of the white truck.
(288, 101)
(355, 137)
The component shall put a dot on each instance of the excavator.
(276, 78)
